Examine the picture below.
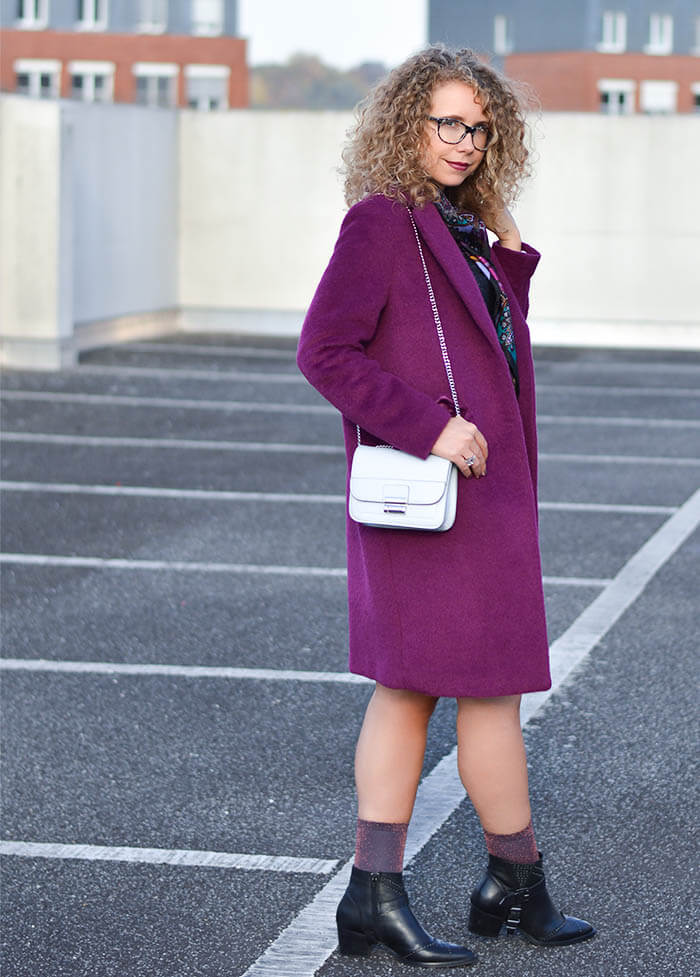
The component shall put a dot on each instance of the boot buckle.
(513, 918)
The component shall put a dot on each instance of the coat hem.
(470, 693)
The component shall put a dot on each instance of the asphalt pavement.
(178, 723)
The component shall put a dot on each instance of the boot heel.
(483, 924)
(354, 944)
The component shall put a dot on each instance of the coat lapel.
(443, 247)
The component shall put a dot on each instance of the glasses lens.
(481, 137)
(449, 130)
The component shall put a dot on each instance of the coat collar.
(436, 236)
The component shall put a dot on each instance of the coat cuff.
(517, 264)
(518, 268)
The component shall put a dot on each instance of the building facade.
(614, 56)
(165, 53)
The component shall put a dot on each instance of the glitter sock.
(519, 847)
(379, 846)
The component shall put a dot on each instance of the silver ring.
(470, 460)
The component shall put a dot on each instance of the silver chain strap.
(438, 325)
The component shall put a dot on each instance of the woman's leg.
(493, 768)
(388, 764)
(492, 762)
(389, 754)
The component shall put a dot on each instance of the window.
(92, 81)
(92, 15)
(660, 34)
(37, 78)
(207, 86)
(616, 96)
(502, 34)
(207, 17)
(32, 14)
(153, 16)
(613, 36)
(658, 97)
(695, 88)
(156, 84)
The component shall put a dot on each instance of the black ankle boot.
(516, 895)
(375, 910)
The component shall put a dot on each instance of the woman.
(459, 613)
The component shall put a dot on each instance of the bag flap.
(381, 473)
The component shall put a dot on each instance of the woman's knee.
(405, 701)
(504, 705)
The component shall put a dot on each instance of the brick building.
(155, 52)
(615, 56)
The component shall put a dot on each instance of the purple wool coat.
(459, 613)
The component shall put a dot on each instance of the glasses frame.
(468, 131)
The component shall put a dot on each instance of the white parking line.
(618, 366)
(663, 510)
(645, 392)
(646, 422)
(170, 856)
(109, 563)
(178, 566)
(128, 400)
(233, 406)
(250, 376)
(237, 376)
(24, 437)
(179, 671)
(143, 491)
(304, 946)
(186, 444)
(245, 351)
(643, 460)
(218, 495)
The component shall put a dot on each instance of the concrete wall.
(88, 225)
(122, 220)
(260, 209)
(612, 207)
(35, 251)
(125, 201)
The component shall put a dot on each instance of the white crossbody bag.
(394, 490)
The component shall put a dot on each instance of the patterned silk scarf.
(470, 235)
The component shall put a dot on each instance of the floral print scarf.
(470, 235)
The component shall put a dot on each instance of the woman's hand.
(503, 225)
(461, 441)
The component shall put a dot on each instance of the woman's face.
(447, 164)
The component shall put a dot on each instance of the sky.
(343, 33)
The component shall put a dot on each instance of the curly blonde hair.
(385, 149)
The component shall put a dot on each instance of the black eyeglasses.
(453, 131)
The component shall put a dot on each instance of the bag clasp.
(395, 498)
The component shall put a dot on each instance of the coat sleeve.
(518, 268)
(343, 318)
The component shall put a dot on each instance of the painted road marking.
(180, 443)
(23, 437)
(219, 495)
(170, 856)
(127, 400)
(179, 671)
(231, 406)
(178, 566)
(245, 351)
